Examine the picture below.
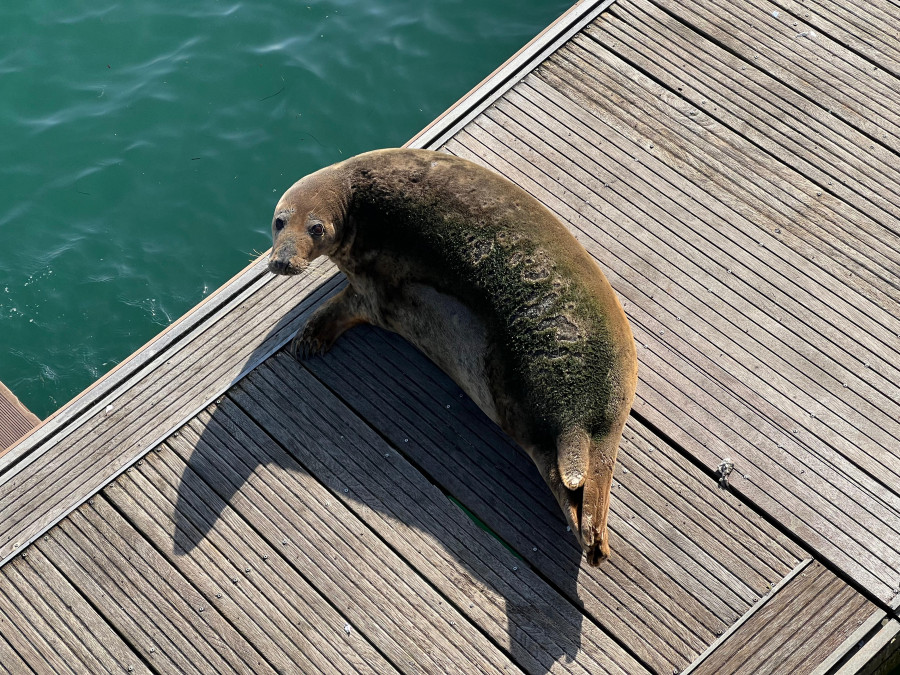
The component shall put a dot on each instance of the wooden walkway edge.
(15, 419)
(212, 504)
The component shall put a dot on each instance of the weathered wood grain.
(10, 661)
(795, 631)
(659, 575)
(844, 429)
(820, 70)
(275, 608)
(757, 106)
(475, 572)
(869, 28)
(15, 419)
(340, 556)
(65, 617)
(708, 435)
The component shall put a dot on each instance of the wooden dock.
(213, 505)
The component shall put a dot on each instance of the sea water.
(143, 146)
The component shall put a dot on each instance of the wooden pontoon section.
(15, 419)
(215, 505)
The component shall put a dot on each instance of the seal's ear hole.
(317, 229)
(279, 224)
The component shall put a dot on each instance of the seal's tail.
(586, 469)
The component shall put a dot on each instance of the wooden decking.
(15, 419)
(214, 505)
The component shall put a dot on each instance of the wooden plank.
(774, 193)
(35, 496)
(879, 655)
(637, 592)
(756, 105)
(15, 419)
(167, 621)
(18, 644)
(63, 616)
(274, 607)
(768, 41)
(531, 161)
(10, 661)
(714, 460)
(340, 556)
(795, 630)
(471, 569)
(863, 27)
(46, 646)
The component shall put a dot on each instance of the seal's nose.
(279, 265)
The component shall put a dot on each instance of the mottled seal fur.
(492, 287)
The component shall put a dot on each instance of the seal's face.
(305, 226)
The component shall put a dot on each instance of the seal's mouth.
(288, 267)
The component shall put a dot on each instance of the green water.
(144, 145)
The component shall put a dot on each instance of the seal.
(488, 284)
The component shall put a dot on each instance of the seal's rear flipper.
(585, 468)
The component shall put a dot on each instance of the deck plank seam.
(266, 486)
(740, 622)
(794, 259)
(81, 628)
(638, 323)
(725, 520)
(229, 557)
(535, 485)
(841, 66)
(873, 439)
(26, 596)
(105, 388)
(249, 386)
(823, 593)
(869, 23)
(511, 73)
(638, 583)
(49, 648)
(765, 515)
(850, 58)
(735, 53)
(836, 166)
(134, 651)
(438, 485)
(878, 323)
(758, 82)
(487, 573)
(377, 377)
(749, 175)
(145, 367)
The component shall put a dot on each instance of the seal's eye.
(279, 224)
(317, 229)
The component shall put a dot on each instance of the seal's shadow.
(426, 419)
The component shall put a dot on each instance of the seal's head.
(308, 222)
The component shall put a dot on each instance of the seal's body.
(492, 287)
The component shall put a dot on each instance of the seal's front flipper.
(328, 322)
